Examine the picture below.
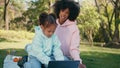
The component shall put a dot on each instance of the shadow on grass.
(114, 45)
(6, 40)
(4, 52)
(3, 39)
(100, 60)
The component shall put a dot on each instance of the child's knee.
(27, 65)
(34, 62)
(27, 47)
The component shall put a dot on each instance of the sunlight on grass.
(15, 45)
(11, 34)
(99, 49)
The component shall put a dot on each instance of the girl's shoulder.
(37, 29)
(54, 36)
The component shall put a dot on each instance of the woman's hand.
(82, 66)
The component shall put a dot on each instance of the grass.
(11, 34)
(100, 57)
(6, 45)
(92, 56)
(3, 53)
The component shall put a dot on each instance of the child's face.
(48, 31)
(63, 15)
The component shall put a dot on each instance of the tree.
(116, 9)
(29, 18)
(102, 9)
(88, 21)
(14, 8)
(6, 2)
(111, 11)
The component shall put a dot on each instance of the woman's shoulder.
(73, 26)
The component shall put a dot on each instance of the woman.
(67, 30)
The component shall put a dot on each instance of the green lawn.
(100, 57)
(93, 57)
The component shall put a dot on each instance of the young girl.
(45, 45)
(67, 30)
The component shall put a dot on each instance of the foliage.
(100, 24)
(18, 5)
(1, 16)
(23, 15)
(14, 9)
(109, 13)
(18, 24)
(1, 11)
(32, 13)
(88, 20)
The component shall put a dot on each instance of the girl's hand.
(82, 66)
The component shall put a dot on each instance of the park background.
(98, 23)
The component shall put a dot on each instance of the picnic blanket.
(9, 63)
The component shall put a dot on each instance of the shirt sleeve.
(74, 46)
(38, 51)
(57, 50)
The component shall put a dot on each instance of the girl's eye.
(67, 12)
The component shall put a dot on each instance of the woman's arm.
(74, 46)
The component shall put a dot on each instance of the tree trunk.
(6, 2)
(109, 20)
(90, 38)
(116, 32)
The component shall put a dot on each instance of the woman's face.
(63, 15)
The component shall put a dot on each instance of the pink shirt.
(68, 34)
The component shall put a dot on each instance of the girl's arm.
(57, 50)
(38, 51)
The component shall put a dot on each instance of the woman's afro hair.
(73, 7)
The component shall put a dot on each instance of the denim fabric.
(32, 63)
(67, 58)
